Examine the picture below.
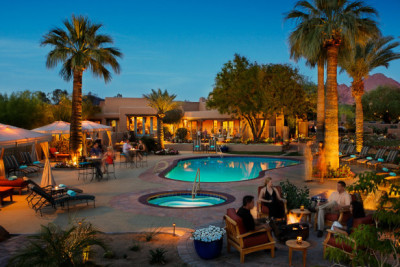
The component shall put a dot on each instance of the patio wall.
(232, 147)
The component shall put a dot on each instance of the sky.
(175, 45)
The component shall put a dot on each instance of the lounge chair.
(378, 155)
(18, 184)
(349, 151)
(11, 165)
(43, 199)
(351, 158)
(213, 145)
(197, 145)
(342, 146)
(391, 157)
(27, 159)
(246, 242)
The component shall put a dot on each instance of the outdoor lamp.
(173, 231)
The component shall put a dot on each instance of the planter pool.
(183, 199)
(225, 169)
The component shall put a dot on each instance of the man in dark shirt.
(244, 213)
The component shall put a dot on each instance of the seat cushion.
(332, 217)
(255, 240)
(15, 183)
(232, 214)
(341, 245)
(364, 220)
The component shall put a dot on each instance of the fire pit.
(292, 231)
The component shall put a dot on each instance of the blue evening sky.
(174, 45)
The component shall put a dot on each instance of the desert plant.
(54, 246)
(135, 246)
(109, 254)
(157, 256)
(149, 235)
(295, 196)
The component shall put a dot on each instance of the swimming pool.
(225, 169)
(184, 199)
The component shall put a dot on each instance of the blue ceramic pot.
(208, 250)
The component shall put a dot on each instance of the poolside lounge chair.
(27, 159)
(11, 165)
(342, 146)
(246, 242)
(378, 155)
(349, 151)
(213, 145)
(197, 145)
(18, 184)
(351, 158)
(391, 157)
(45, 200)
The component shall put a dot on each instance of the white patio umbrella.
(90, 126)
(12, 136)
(57, 127)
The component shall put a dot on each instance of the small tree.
(382, 104)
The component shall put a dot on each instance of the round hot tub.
(184, 199)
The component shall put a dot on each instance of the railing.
(196, 184)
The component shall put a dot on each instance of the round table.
(293, 245)
(303, 213)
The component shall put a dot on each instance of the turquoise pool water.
(183, 200)
(225, 169)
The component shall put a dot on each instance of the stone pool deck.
(118, 210)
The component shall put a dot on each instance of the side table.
(293, 245)
(302, 213)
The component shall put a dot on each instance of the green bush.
(181, 133)
(157, 256)
(295, 196)
(150, 143)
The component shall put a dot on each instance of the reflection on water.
(226, 169)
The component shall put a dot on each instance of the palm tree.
(313, 51)
(340, 24)
(162, 102)
(358, 64)
(79, 47)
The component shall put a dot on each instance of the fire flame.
(293, 218)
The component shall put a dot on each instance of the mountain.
(370, 83)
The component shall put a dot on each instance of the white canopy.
(11, 136)
(57, 127)
(90, 126)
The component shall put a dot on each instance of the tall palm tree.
(162, 102)
(313, 51)
(358, 64)
(80, 47)
(340, 24)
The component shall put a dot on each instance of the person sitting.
(244, 213)
(108, 158)
(339, 199)
(357, 211)
(126, 150)
(96, 152)
(142, 149)
(270, 197)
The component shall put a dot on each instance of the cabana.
(11, 136)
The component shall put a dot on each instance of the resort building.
(133, 114)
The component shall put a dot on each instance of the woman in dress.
(108, 158)
(308, 159)
(321, 164)
(270, 197)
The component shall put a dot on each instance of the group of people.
(270, 198)
(127, 150)
(106, 158)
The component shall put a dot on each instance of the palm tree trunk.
(75, 141)
(321, 102)
(161, 133)
(358, 92)
(331, 110)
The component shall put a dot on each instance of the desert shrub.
(295, 196)
(181, 133)
(150, 143)
(157, 256)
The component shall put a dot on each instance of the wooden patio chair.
(363, 154)
(262, 210)
(197, 145)
(349, 151)
(391, 157)
(246, 242)
(212, 146)
(379, 154)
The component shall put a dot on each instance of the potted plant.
(208, 241)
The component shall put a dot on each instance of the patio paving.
(118, 211)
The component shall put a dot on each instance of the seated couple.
(127, 147)
(106, 159)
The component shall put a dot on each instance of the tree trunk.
(75, 141)
(321, 102)
(358, 90)
(160, 132)
(331, 110)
